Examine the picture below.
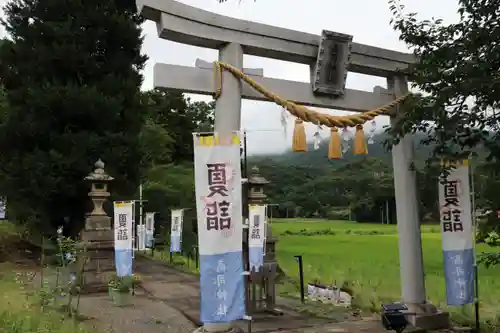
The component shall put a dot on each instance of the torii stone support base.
(233, 37)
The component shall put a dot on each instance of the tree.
(167, 156)
(71, 72)
(179, 117)
(457, 74)
(454, 73)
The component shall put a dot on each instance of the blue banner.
(222, 287)
(123, 262)
(459, 276)
(149, 239)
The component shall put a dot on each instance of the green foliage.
(490, 259)
(71, 77)
(171, 120)
(454, 75)
(369, 264)
(122, 284)
(169, 187)
(310, 185)
(457, 109)
(22, 308)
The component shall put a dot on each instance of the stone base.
(97, 222)
(95, 281)
(100, 265)
(430, 321)
(428, 317)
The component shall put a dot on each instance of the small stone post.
(98, 234)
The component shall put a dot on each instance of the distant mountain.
(319, 158)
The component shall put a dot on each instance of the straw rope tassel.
(299, 142)
(308, 115)
(334, 147)
(360, 147)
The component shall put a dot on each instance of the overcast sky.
(366, 20)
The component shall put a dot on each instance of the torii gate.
(233, 38)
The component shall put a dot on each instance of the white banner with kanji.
(176, 230)
(256, 235)
(150, 229)
(457, 234)
(220, 226)
(123, 216)
(3, 207)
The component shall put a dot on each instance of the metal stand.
(301, 278)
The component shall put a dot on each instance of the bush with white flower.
(490, 259)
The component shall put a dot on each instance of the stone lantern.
(98, 234)
(256, 184)
(267, 278)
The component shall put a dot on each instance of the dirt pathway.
(145, 315)
(181, 291)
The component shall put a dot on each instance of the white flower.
(60, 230)
(31, 21)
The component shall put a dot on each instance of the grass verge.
(20, 310)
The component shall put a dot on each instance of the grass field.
(366, 256)
(20, 309)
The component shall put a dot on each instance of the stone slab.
(98, 222)
(100, 265)
(94, 282)
(102, 245)
(97, 235)
(431, 321)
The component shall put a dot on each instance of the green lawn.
(20, 311)
(370, 262)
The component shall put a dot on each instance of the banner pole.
(474, 240)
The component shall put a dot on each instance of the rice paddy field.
(365, 257)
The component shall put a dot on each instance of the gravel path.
(144, 316)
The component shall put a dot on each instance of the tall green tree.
(167, 152)
(71, 72)
(457, 73)
(180, 117)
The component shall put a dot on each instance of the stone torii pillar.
(228, 120)
(408, 221)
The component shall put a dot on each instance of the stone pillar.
(98, 235)
(227, 120)
(408, 221)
